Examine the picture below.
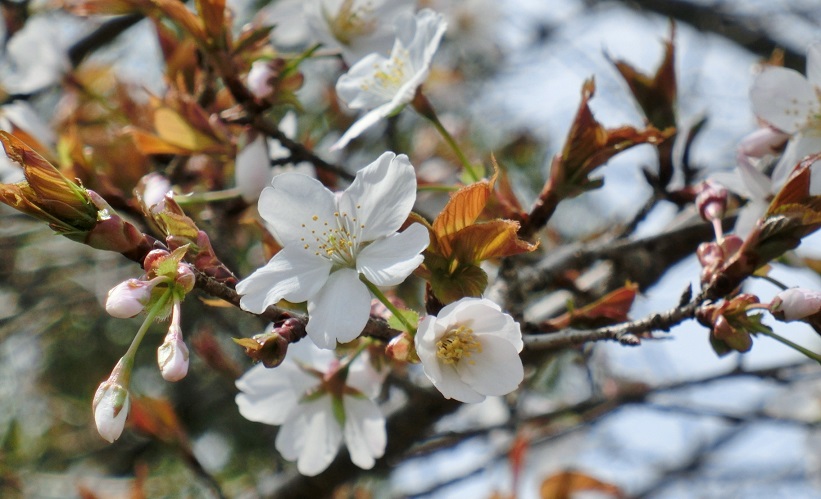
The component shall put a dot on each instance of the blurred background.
(666, 419)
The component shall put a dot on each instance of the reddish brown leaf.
(564, 484)
(463, 208)
(612, 308)
(494, 239)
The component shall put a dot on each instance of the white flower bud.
(259, 79)
(128, 298)
(172, 356)
(795, 304)
(111, 405)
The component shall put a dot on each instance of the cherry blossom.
(320, 401)
(330, 241)
(471, 350)
(791, 103)
(385, 85)
(357, 27)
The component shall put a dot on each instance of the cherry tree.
(340, 261)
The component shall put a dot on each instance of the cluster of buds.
(714, 255)
(159, 293)
(270, 347)
(729, 323)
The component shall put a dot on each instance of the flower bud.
(172, 355)
(252, 169)
(260, 78)
(185, 277)
(711, 200)
(153, 259)
(401, 348)
(795, 304)
(152, 188)
(128, 298)
(111, 405)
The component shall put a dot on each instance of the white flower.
(259, 78)
(386, 85)
(330, 240)
(471, 350)
(357, 27)
(791, 103)
(111, 404)
(318, 406)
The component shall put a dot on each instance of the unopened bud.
(795, 304)
(111, 405)
(260, 78)
(128, 298)
(711, 201)
(152, 188)
(402, 348)
(185, 277)
(154, 258)
(172, 355)
(252, 169)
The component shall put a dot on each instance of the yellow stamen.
(456, 344)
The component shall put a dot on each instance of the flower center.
(336, 242)
(350, 23)
(389, 76)
(457, 343)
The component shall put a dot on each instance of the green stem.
(772, 281)
(207, 197)
(473, 175)
(385, 301)
(794, 346)
(152, 314)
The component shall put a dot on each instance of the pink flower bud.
(795, 304)
(111, 405)
(172, 356)
(185, 277)
(401, 348)
(153, 187)
(260, 79)
(711, 200)
(154, 258)
(128, 298)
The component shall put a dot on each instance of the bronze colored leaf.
(564, 484)
(463, 208)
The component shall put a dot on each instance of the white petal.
(292, 202)
(291, 274)
(387, 262)
(364, 431)
(252, 169)
(485, 318)
(732, 181)
(382, 194)
(312, 436)
(451, 385)
(784, 98)
(801, 145)
(421, 35)
(748, 215)
(339, 311)
(363, 376)
(814, 64)
(355, 87)
(758, 185)
(368, 120)
(266, 395)
(496, 370)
